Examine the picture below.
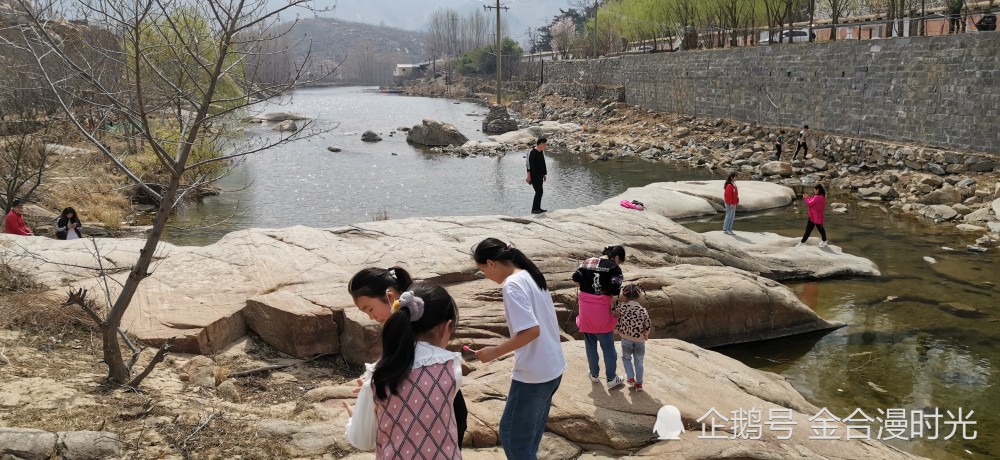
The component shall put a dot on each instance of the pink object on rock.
(632, 205)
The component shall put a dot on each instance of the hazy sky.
(413, 14)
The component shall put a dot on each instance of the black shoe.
(542, 210)
(537, 211)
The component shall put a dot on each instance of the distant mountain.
(365, 53)
(413, 14)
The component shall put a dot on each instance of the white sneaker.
(823, 244)
(800, 244)
(594, 379)
(617, 382)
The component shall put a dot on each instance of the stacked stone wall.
(935, 91)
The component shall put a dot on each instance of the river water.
(921, 338)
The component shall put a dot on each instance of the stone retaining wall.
(935, 91)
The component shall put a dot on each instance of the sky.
(413, 14)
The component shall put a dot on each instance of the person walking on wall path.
(732, 200)
(803, 142)
(537, 174)
(817, 205)
(778, 142)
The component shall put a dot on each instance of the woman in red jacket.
(732, 197)
(14, 223)
(816, 204)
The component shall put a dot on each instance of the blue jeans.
(727, 225)
(607, 347)
(633, 352)
(524, 417)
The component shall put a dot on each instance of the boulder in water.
(370, 136)
(286, 126)
(433, 133)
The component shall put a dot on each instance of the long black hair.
(614, 251)
(729, 180)
(64, 222)
(399, 336)
(820, 190)
(373, 282)
(498, 251)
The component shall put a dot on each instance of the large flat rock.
(788, 261)
(667, 203)
(712, 306)
(754, 195)
(694, 380)
(198, 295)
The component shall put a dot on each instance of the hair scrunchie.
(410, 302)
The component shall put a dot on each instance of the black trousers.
(461, 416)
(805, 150)
(537, 185)
(809, 230)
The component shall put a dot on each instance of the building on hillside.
(409, 71)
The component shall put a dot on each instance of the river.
(922, 337)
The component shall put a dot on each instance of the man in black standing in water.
(537, 173)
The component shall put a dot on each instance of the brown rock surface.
(292, 324)
(694, 380)
(198, 295)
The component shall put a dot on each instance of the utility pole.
(812, 16)
(497, 49)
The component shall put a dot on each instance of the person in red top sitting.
(816, 204)
(732, 197)
(14, 224)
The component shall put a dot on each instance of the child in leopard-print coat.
(633, 327)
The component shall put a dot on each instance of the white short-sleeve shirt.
(526, 306)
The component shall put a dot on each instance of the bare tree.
(179, 68)
(24, 161)
(838, 9)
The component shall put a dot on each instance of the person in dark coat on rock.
(537, 173)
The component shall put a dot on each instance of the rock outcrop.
(285, 126)
(31, 444)
(434, 133)
(284, 285)
(498, 121)
(614, 423)
(281, 116)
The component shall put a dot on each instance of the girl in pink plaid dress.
(405, 409)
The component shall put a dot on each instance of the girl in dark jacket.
(68, 225)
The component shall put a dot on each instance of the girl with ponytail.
(534, 340)
(374, 291)
(416, 375)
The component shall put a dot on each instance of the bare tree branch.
(157, 358)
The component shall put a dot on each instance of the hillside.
(366, 53)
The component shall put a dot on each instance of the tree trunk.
(118, 371)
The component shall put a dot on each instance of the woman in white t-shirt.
(534, 331)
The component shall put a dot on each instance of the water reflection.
(921, 337)
(302, 183)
